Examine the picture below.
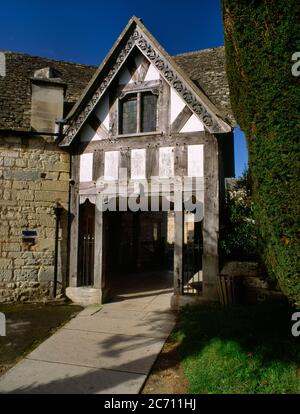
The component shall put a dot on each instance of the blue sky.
(84, 31)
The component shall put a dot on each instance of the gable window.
(138, 113)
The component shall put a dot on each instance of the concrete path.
(102, 350)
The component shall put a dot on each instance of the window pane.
(148, 112)
(128, 115)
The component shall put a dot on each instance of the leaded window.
(128, 115)
(138, 113)
(148, 112)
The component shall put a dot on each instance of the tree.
(261, 36)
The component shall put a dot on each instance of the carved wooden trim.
(141, 86)
(153, 86)
(187, 94)
(78, 121)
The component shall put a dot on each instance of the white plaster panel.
(124, 76)
(111, 165)
(177, 105)
(86, 167)
(166, 162)
(138, 163)
(152, 73)
(192, 125)
(195, 160)
(102, 111)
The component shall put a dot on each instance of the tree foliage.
(238, 234)
(260, 38)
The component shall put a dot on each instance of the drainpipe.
(57, 212)
(59, 128)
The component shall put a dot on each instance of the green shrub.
(238, 235)
(260, 39)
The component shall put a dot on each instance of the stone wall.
(34, 175)
(254, 286)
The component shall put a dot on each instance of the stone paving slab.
(116, 314)
(129, 304)
(90, 310)
(103, 350)
(37, 377)
(151, 327)
(153, 317)
(100, 350)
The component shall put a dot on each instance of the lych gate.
(148, 167)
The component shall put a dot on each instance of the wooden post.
(98, 164)
(211, 218)
(99, 280)
(178, 252)
(164, 108)
(74, 219)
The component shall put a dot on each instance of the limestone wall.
(34, 175)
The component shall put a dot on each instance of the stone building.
(69, 132)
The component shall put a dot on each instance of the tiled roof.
(15, 91)
(206, 68)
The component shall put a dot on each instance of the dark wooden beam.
(146, 141)
(152, 162)
(98, 164)
(95, 123)
(133, 70)
(164, 108)
(181, 119)
(178, 252)
(211, 219)
(144, 69)
(125, 160)
(180, 159)
(99, 280)
(113, 115)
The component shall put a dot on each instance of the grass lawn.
(27, 325)
(239, 349)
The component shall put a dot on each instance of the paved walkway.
(102, 350)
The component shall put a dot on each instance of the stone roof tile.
(205, 67)
(15, 87)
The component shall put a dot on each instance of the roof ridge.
(194, 52)
(47, 58)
